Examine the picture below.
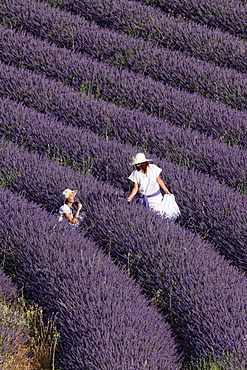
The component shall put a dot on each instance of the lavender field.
(84, 86)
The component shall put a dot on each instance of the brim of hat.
(134, 163)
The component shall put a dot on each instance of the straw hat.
(139, 158)
(67, 192)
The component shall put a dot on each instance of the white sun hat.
(139, 158)
(67, 193)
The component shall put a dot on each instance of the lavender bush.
(202, 199)
(199, 218)
(121, 87)
(152, 24)
(189, 277)
(122, 50)
(225, 14)
(103, 320)
(88, 151)
(46, 95)
(177, 145)
(202, 294)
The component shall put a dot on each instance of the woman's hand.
(133, 192)
(162, 185)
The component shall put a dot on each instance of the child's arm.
(71, 219)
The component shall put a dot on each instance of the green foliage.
(212, 364)
(6, 179)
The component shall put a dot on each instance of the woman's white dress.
(148, 185)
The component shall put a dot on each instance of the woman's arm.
(162, 185)
(133, 192)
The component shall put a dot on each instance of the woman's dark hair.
(143, 166)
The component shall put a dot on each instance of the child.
(65, 211)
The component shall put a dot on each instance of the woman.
(147, 183)
(65, 211)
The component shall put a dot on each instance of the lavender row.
(173, 67)
(230, 16)
(182, 146)
(213, 157)
(152, 24)
(123, 87)
(70, 276)
(204, 297)
(202, 198)
(202, 213)
(45, 133)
